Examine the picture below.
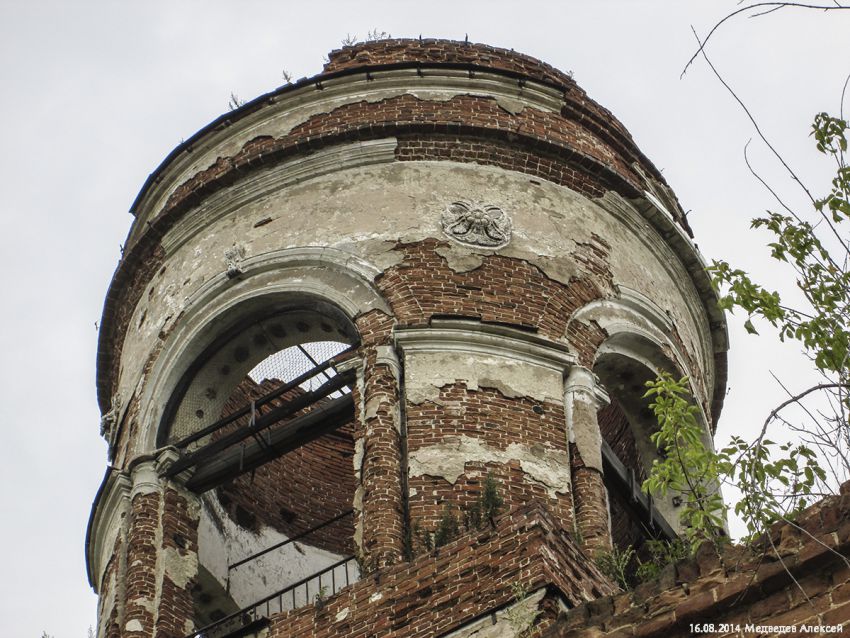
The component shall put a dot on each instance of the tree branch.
(776, 6)
(796, 399)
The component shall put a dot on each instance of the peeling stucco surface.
(181, 568)
(296, 108)
(584, 432)
(542, 464)
(427, 372)
(502, 624)
(369, 211)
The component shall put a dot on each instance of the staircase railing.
(311, 589)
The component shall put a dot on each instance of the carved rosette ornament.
(233, 257)
(476, 224)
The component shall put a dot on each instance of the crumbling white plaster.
(504, 623)
(541, 464)
(367, 212)
(181, 568)
(145, 479)
(288, 111)
(582, 399)
(133, 625)
(427, 372)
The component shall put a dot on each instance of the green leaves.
(689, 466)
(830, 134)
(821, 324)
(776, 480)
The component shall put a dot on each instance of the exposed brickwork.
(141, 580)
(582, 147)
(501, 290)
(565, 168)
(617, 432)
(740, 587)
(591, 504)
(154, 605)
(578, 106)
(465, 579)
(466, 114)
(299, 490)
(496, 421)
(381, 516)
(431, 51)
(180, 534)
(108, 619)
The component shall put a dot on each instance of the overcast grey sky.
(96, 93)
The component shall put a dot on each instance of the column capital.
(144, 477)
(582, 381)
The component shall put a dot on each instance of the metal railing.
(284, 543)
(311, 589)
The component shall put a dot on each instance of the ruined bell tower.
(373, 361)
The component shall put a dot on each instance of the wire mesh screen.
(253, 361)
(288, 364)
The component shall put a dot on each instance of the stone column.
(582, 399)
(379, 501)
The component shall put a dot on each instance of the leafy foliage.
(615, 565)
(690, 467)
(776, 480)
(483, 510)
(629, 567)
(661, 554)
(486, 507)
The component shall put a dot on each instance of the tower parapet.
(354, 307)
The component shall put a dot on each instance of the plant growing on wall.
(486, 507)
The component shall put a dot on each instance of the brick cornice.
(477, 571)
(736, 584)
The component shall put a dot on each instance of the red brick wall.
(151, 599)
(591, 499)
(180, 533)
(496, 421)
(739, 586)
(565, 168)
(442, 590)
(142, 549)
(617, 432)
(381, 517)
(110, 623)
(431, 51)
(502, 290)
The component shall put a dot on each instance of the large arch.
(638, 346)
(316, 279)
(266, 308)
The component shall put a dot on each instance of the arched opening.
(624, 365)
(263, 422)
